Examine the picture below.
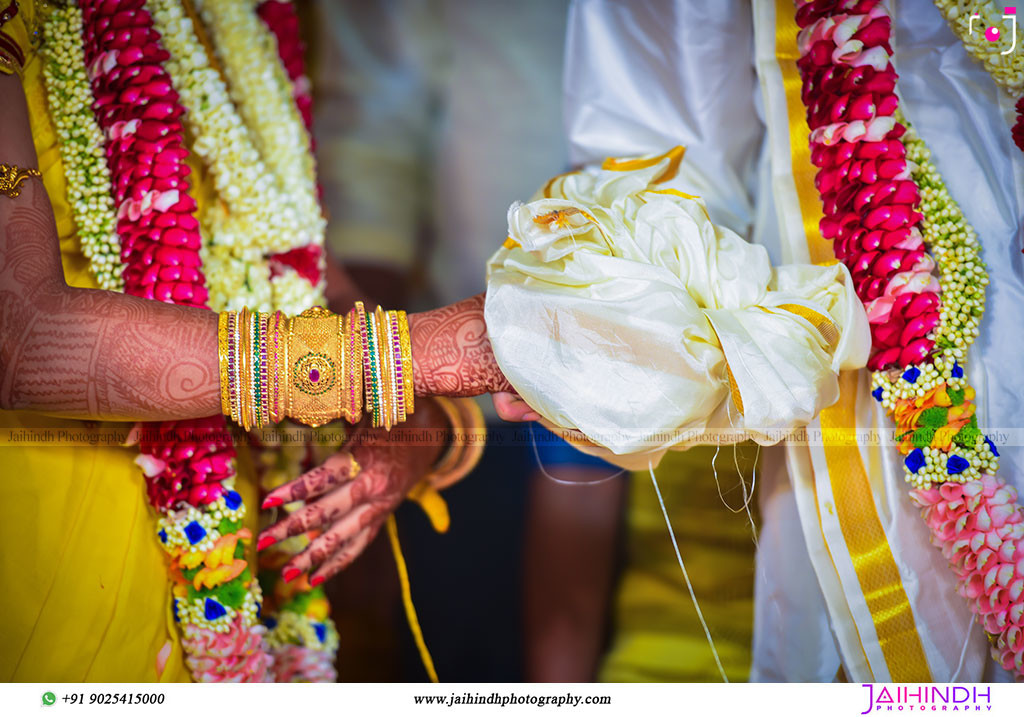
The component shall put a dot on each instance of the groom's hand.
(511, 407)
(350, 496)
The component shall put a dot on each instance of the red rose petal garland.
(886, 208)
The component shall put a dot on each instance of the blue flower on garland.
(174, 608)
(270, 622)
(877, 393)
(957, 372)
(162, 535)
(956, 465)
(991, 446)
(321, 631)
(232, 500)
(915, 460)
(213, 609)
(194, 532)
(911, 374)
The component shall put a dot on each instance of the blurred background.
(431, 118)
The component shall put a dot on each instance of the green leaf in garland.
(922, 437)
(239, 550)
(969, 435)
(226, 526)
(956, 396)
(231, 593)
(934, 417)
(298, 603)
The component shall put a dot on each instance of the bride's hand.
(451, 353)
(350, 496)
(452, 356)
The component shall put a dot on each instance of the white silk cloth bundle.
(617, 308)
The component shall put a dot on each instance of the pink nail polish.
(316, 580)
(265, 541)
(272, 501)
(290, 574)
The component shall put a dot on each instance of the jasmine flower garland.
(81, 146)
(884, 204)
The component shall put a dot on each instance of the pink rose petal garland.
(894, 224)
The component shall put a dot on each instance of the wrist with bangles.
(315, 367)
(12, 56)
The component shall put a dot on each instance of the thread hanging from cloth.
(559, 481)
(686, 576)
(747, 497)
(410, 609)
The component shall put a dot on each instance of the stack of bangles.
(315, 367)
(12, 56)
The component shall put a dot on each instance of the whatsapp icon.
(49, 698)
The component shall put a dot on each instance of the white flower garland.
(264, 212)
(81, 146)
(954, 245)
(1007, 70)
(263, 96)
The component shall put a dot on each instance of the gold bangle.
(13, 176)
(471, 444)
(222, 362)
(313, 375)
(243, 368)
(343, 368)
(475, 428)
(451, 455)
(405, 342)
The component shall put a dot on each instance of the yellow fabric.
(658, 637)
(877, 572)
(865, 540)
(85, 595)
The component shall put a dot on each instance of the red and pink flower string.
(871, 206)
(187, 462)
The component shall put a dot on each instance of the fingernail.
(316, 580)
(290, 574)
(265, 541)
(272, 501)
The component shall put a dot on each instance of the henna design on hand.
(451, 353)
(90, 353)
(353, 513)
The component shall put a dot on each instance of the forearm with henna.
(78, 352)
(92, 354)
(451, 353)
